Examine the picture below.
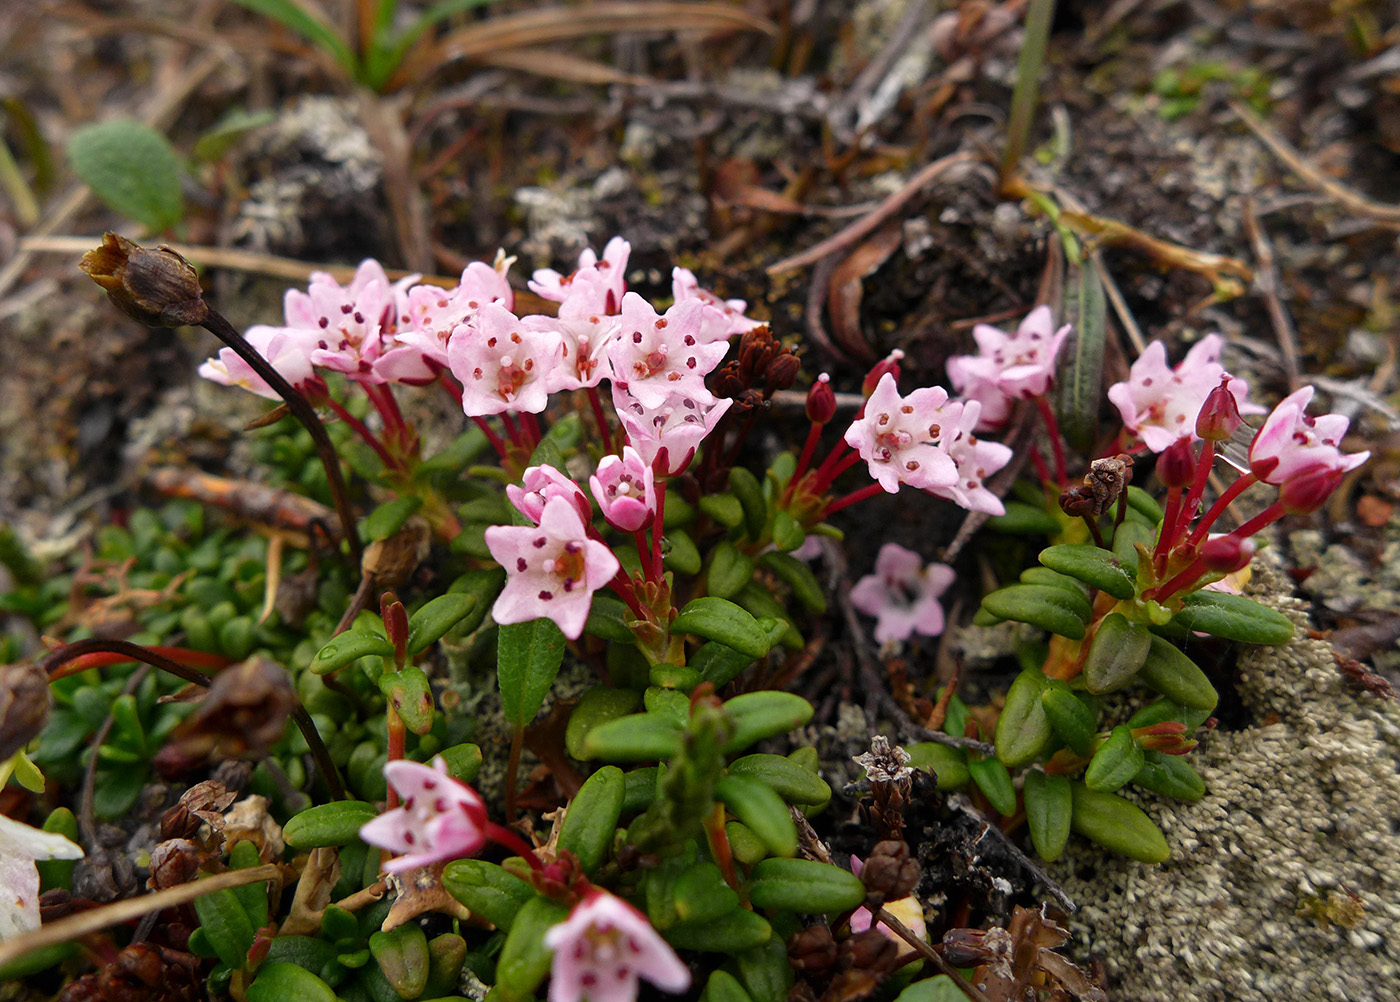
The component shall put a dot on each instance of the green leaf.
(597, 706)
(1053, 609)
(788, 533)
(729, 571)
(388, 518)
(1049, 805)
(1165, 709)
(640, 737)
(764, 714)
(488, 890)
(682, 557)
(132, 168)
(1233, 617)
(720, 664)
(1045, 577)
(1092, 565)
(1115, 654)
(1083, 390)
(762, 810)
(805, 885)
(1023, 730)
(718, 619)
(724, 987)
(1145, 504)
(1176, 676)
(741, 929)
(1115, 763)
(438, 615)
(785, 777)
(278, 981)
(591, 821)
(38, 959)
(524, 959)
(723, 508)
(447, 955)
(745, 486)
(216, 141)
(463, 761)
(347, 647)
(226, 926)
(699, 894)
(336, 823)
(293, 16)
(1117, 824)
(608, 618)
(253, 897)
(1129, 536)
(743, 843)
(1023, 519)
(948, 764)
(994, 781)
(797, 576)
(1170, 776)
(59, 872)
(1070, 716)
(940, 988)
(528, 656)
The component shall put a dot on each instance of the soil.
(728, 152)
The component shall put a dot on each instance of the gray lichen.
(1284, 881)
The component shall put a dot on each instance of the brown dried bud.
(782, 372)
(24, 706)
(243, 715)
(130, 978)
(870, 950)
(1105, 482)
(391, 562)
(812, 949)
(174, 861)
(158, 288)
(966, 947)
(757, 348)
(726, 381)
(891, 872)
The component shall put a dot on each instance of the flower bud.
(782, 372)
(890, 364)
(1220, 414)
(821, 401)
(871, 950)
(1226, 554)
(1177, 464)
(158, 288)
(24, 706)
(1309, 491)
(812, 949)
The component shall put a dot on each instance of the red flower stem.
(452, 388)
(1038, 461)
(622, 585)
(1186, 578)
(810, 446)
(742, 437)
(398, 736)
(604, 432)
(868, 491)
(643, 549)
(1167, 534)
(720, 849)
(1198, 488)
(837, 451)
(361, 429)
(824, 483)
(491, 436)
(657, 523)
(1052, 428)
(505, 837)
(388, 408)
(512, 430)
(103, 659)
(531, 426)
(1221, 503)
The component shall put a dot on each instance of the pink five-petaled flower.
(679, 424)
(1292, 444)
(584, 333)
(552, 570)
(440, 818)
(902, 438)
(625, 489)
(655, 356)
(606, 294)
(902, 594)
(1159, 404)
(601, 950)
(1008, 366)
(502, 364)
(684, 285)
(287, 349)
(540, 483)
(976, 459)
(429, 315)
(352, 325)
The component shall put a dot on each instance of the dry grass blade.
(82, 923)
(562, 66)
(557, 24)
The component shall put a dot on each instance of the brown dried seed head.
(812, 949)
(158, 288)
(891, 872)
(24, 706)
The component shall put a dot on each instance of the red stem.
(869, 490)
(622, 585)
(505, 837)
(531, 426)
(491, 436)
(398, 735)
(837, 451)
(805, 460)
(1052, 428)
(1198, 488)
(1167, 535)
(658, 521)
(845, 464)
(1221, 503)
(103, 659)
(512, 430)
(451, 387)
(361, 429)
(1038, 461)
(643, 549)
(604, 432)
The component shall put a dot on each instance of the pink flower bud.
(1309, 491)
(821, 401)
(1220, 414)
(1177, 467)
(1226, 554)
(625, 489)
(890, 364)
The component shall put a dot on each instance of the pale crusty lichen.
(1284, 881)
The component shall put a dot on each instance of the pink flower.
(542, 483)
(552, 570)
(625, 488)
(902, 437)
(20, 846)
(902, 594)
(287, 349)
(502, 364)
(684, 285)
(680, 423)
(1160, 404)
(584, 333)
(1019, 365)
(976, 382)
(430, 314)
(976, 460)
(353, 325)
(1292, 444)
(440, 818)
(611, 269)
(655, 356)
(601, 950)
